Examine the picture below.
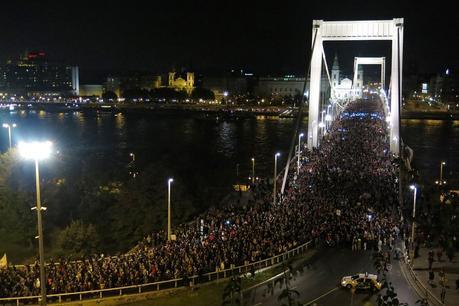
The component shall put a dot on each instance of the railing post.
(121, 291)
(17, 302)
(100, 294)
(81, 297)
(175, 284)
(224, 273)
(140, 289)
(210, 277)
(157, 286)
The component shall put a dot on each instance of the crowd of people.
(345, 194)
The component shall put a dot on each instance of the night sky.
(266, 37)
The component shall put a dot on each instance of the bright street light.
(169, 182)
(8, 126)
(133, 156)
(441, 181)
(274, 178)
(253, 170)
(413, 187)
(35, 150)
(299, 152)
(38, 151)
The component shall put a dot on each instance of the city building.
(233, 84)
(91, 90)
(342, 86)
(181, 84)
(444, 87)
(34, 75)
(288, 86)
(119, 84)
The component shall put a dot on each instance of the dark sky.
(210, 36)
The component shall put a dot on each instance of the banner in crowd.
(3, 262)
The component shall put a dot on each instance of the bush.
(78, 239)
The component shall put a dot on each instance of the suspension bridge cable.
(300, 113)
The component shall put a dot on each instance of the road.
(320, 282)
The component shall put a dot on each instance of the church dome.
(179, 82)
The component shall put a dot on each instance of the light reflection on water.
(201, 144)
(433, 141)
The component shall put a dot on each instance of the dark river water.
(196, 143)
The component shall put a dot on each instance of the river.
(199, 143)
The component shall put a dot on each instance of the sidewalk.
(451, 269)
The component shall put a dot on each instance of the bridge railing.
(160, 285)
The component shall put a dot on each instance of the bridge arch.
(391, 30)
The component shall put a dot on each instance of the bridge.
(344, 197)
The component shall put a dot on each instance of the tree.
(17, 225)
(78, 239)
(232, 292)
(109, 96)
(202, 93)
(288, 296)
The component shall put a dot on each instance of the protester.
(346, 194)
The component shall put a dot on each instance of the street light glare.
(412, 187)
(443, 163)
(6, 125)
(35, 150)
(302, 134)
(171, 180)
(277, 154)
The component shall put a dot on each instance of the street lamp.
(8, 126)
(275, 174)
(253, 170)
(133, 156)
(413, 187)
(299, 152)
(441, 182)
(169, 208)
(38, 151)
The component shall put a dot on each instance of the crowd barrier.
(161, 285)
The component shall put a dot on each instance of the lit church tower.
(171, 79)
(335, 71)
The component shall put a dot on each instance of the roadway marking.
(323, 295)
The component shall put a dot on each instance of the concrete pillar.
(314, 90)
(396, 87)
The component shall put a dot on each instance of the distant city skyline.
(205, 36)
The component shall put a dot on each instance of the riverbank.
(218, 109)
(234, 110)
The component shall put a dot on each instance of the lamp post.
(299, 152)
(414, 188)
(133, 156)
(38, 151)
(253, 170)
(274, 178)
(169, 182)
(441, 181)
(8, 126)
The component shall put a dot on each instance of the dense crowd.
(345, 195)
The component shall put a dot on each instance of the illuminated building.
(343, 87)
(180, 83)
(34, 75)
(119, 84)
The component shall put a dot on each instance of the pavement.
(451, 269)
(319, 284)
